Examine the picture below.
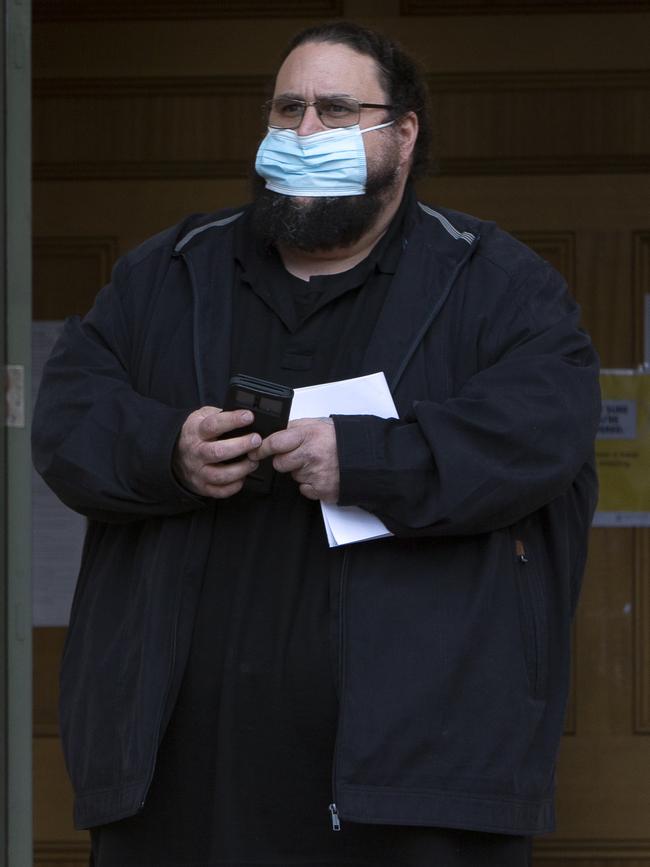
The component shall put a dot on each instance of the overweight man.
(234, 691)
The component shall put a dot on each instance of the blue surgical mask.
(328, 163)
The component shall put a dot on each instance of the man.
(234, 691)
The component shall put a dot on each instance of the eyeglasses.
(333, 111)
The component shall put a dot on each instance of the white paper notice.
(364, 395)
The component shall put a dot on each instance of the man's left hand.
(307, 450)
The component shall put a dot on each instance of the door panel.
(544, 126)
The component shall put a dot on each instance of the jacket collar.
(435, 247)
(435, 250)
(207, 252)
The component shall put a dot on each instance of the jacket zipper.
(333, 809)
(163, 704)
(520, 551)
(532, 607)
(170, 680)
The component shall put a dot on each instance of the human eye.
(288, 108)
(337, 109)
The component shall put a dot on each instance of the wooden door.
(146, 112)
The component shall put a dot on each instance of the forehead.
(317, 68)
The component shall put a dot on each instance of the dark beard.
(322, 222)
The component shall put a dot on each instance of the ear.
(407, 131)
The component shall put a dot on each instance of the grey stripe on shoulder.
(453, 231)
(187, 238)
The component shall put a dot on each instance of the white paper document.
(364, 395)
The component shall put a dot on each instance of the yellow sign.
(623, 450)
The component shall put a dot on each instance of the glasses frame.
(268, 106)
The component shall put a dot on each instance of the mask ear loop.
(276, 130)
(377, 126)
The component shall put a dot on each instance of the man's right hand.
(200, 452)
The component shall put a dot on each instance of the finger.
(302, 474)
(218, 451)
(291, 462)
(222, 492)
(203, 416)
(308, 422)
(308, 491)
(281, 442)
(217, 423)
(226, 474)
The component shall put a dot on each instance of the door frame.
(15, 492)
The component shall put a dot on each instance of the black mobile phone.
(270, 403)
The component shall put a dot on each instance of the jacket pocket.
(531, 599)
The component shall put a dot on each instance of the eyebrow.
(291, 95)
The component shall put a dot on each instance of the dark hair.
(399, 75)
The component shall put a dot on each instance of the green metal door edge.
(17, 168)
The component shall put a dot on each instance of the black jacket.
(452, 637)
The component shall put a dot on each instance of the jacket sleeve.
(102, 447)
(514, 436)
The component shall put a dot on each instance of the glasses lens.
(285, 113)
(338, 111)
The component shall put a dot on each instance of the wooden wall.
(145, 112)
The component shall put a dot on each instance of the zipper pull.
(334, 814)
(520, 551)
